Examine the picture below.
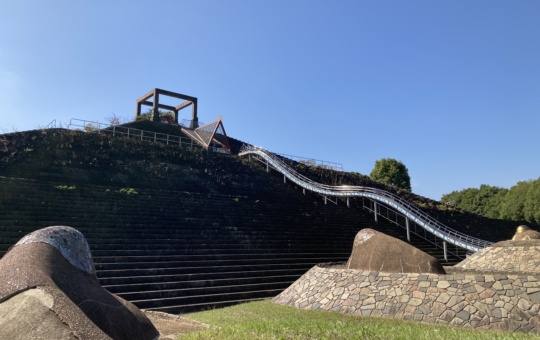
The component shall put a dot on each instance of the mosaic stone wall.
(515, 257)
(499, 302)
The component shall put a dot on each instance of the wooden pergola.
(156, 93)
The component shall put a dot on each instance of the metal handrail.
(115, 130)
(403, 206)
(312, 161)
(51, 125)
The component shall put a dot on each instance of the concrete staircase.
(219, 253)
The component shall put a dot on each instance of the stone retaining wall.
(511, 257)
(500, 302)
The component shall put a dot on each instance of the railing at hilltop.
(381, 200)
(51, 125)
(122, 131)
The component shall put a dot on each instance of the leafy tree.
(531, 206)
(483, 199)
(521, 202)
(512, 206)
(493, 206)
(391, 172)
(463, 199)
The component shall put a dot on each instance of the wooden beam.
(155, 106)
(161, 106)
(194, 112)
(146, 96)
(175, 95)
(183, 105)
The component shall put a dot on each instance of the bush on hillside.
(148, 115)
(391, 172)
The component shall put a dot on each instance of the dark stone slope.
(203, 229)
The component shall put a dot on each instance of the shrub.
(128, 191)
(391, 172)
(65, 187)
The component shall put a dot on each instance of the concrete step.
(143, 287)
(210, 299)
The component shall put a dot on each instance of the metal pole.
(155, 134)
(142, 132)
(304, 191)
(444, 248)
(192, 144)
(375, 211)
(113, 130)
(128, 132)
(324, 199)
(284, 179)
(167, 139)
(348, 206)
(266, 166)
(407, 226)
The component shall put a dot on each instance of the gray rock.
(44, 260)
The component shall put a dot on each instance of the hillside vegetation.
(34, 151)
(519, 203)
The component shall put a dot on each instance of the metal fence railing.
(311, 162)
(404, 208)
(132, 133)
(51, 125)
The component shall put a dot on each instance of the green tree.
(486, 201)
(483, 199)
(493, 207)
(391, 172)
(463, 199)
(531, 206)
(512, 206)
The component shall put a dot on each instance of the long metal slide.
(380, 199)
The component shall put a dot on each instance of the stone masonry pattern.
(497, 302)
(522, 259)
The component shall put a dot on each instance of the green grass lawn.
(267, 320)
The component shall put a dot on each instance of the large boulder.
(49, 290)
(375, 251)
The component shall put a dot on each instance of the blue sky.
(450, 88)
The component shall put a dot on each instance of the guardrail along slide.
(402, 211)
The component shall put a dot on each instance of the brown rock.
(438, 308)
(375, 251)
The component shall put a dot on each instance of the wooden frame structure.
(156, 93)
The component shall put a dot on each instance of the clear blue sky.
(451, 88)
